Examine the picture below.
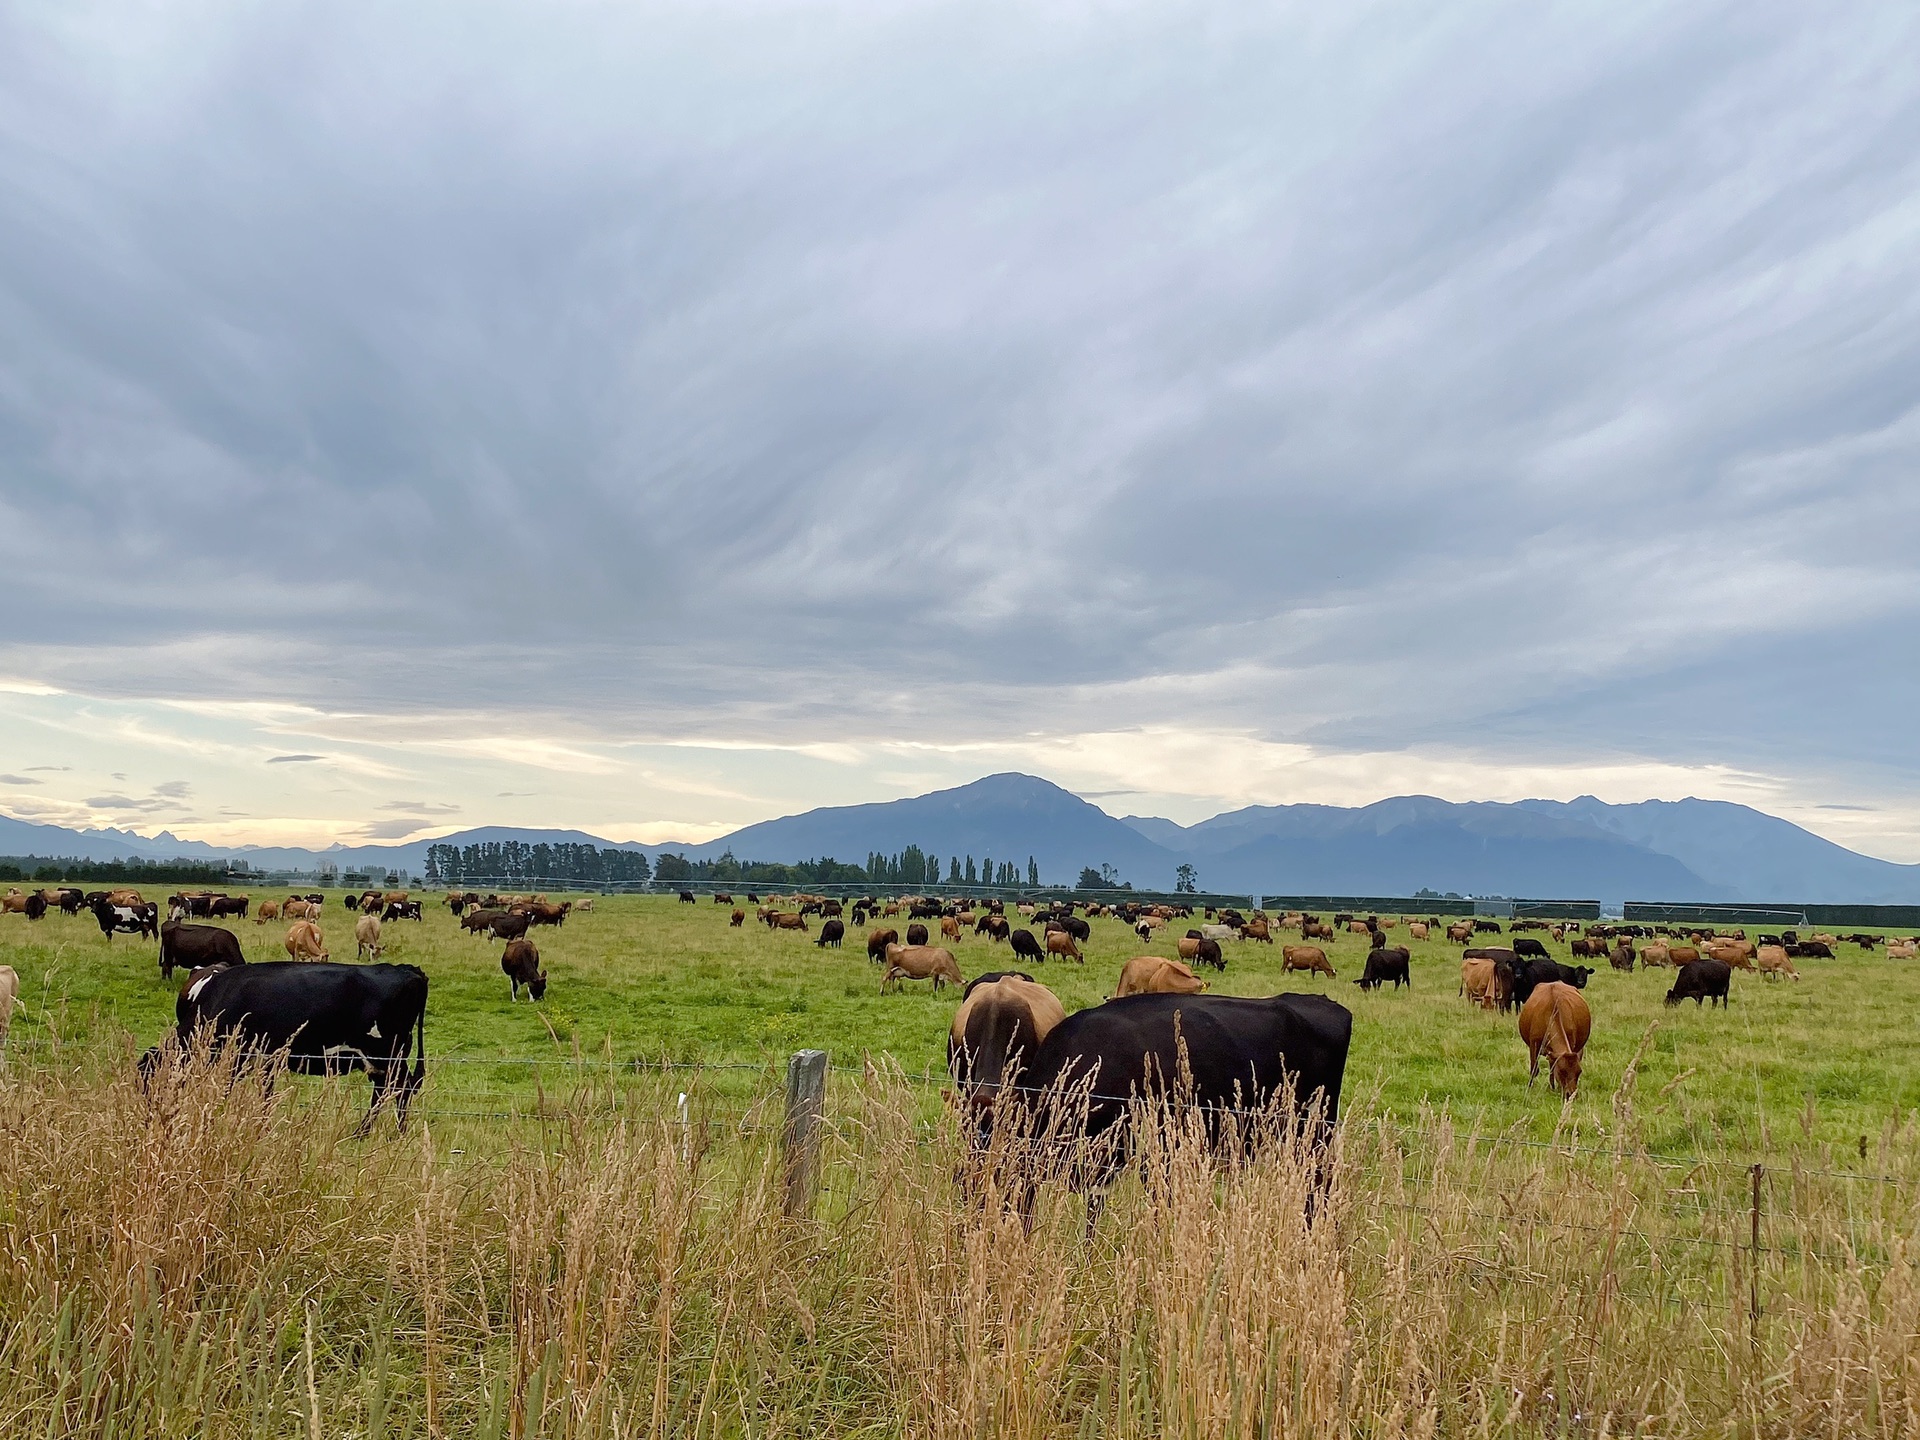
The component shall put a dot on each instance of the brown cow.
(1417, 929)
(305, 942)
(1306, 957)
(1556, 1019)
(1001, 1017)
(1683, 954)
(1477, 983)
(1775, 962)
(787, 920)
(950, 928)
(1902, 950)
(737, 919)
(1059, 942)
(1654, 954)
(920, 962)
(521, 963)
(878, 941)
(366, 936)
(269, 910)
(1734, 954)
(1154, 975)
(1460, 932)
(1257, 929)
(298, 909)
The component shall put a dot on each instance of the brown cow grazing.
(878, 941)
(1461, 932)
(297, 909)
(737, 919)
(1305, 957)
(1655, 954)
(1683, 954)
(1316, 930)
(950, 928)
(1556, 1019)
(305, 942)
(1154, 975)
(269, 910)
(920, 962)
(1059, 942)
(1735, 955)
(9, 994)
(1416, 929)
(787, 920)
(1775, 962)
(1004, 1015)
(1477, 983)
(1257, 929)
(366, 936)
(521, 962)
(1622, 957)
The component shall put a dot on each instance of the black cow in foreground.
(1702, 980)
(1386, 965)
(1220, 1053)
(831, 933)
(195, 947)
(127, 919)
(326, 1017)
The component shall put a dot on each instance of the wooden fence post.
(806, 1098)
(1753, 1263)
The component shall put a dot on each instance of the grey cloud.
(391, 829)
(421, 807)
(32, 768)
(18, 780)
(1505, 379)
(173, 790)
(293, 759)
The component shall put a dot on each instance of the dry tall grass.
(222, 1258)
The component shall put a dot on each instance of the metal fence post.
(1753, 1264)
(806, 1098)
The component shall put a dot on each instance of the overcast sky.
(653, 419)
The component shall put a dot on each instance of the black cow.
(1486, 927)
(1386, 964)
(1529, 973)
(36, 906)
(1026, 947)
(686, 898)
(195, 947)
(225, 905)
(916, 934)
(1074, 926)
(72, 901)
(831, 933)
(1208, 953)
(327, 1017)
(1812, 950)
(127, 919)
(1221, 1051)
(521, 963)
(1525, 947)
(1702, 980)
(475, 921)
(511, 925)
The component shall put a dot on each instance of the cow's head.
(537, 986)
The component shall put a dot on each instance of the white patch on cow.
(193, 990)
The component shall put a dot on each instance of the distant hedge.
(52, 870)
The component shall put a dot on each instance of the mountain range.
(1703, 850)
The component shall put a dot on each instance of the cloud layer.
(693, 412)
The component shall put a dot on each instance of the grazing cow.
(916, 934)
(269, 910)
(787, 920)
(1504, 965)
(1154, 975)
(1477, 983)
(1702, 980)
(127, 919)
(521, 962)
(1556, 1019)
(1621, 957)
(1219, 932)
(478, 922)
(1737, 956)
(1774, 962)
(878, 941)
(221, 906)
(1311, 929)
(1460, 933)
(1655, 953)
(297, 908)
(331, 1017)
(1025, 946)
(1525, 947)
(1588, 949)
(1059, 942)
(583, 907)
(1198, 950)
(1003, 1016)
(686, 898)
(540, 913)
(366, 938)
(1417, 929)
(195, 947)
(305, 943)
(508, 926)
(401, 910)
(1683, 954)
(720, 897)
(1387, 964)
(920, 962)
(1305, 957)
(1529, 973)
(9, 995)
(737, 919)
(1074, 926)
(1257, 929)
(950, 928)
(1218, 1053)
(831, 933)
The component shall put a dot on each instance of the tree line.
(510, 861)
(51, 870)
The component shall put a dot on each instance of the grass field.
(214, 1259)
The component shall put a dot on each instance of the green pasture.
(1831, 1058)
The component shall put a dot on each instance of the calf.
(330, 1017)
(1702, 980)
(521, 962)
(1154, 975)
(195, 947)
(1386, 965)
